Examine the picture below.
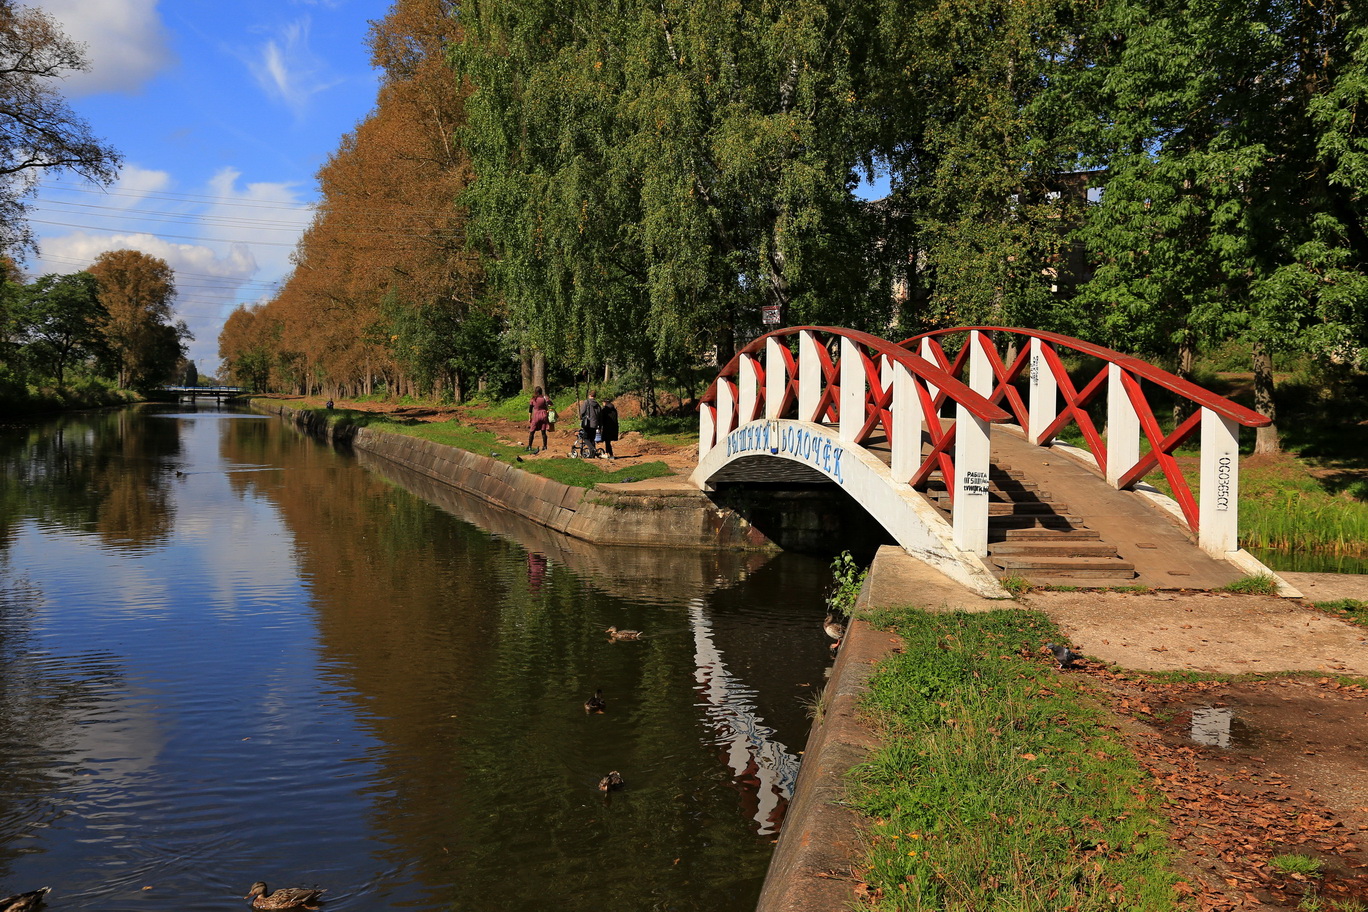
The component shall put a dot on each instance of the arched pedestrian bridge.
(949, 440)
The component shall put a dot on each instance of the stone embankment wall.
(650, 514)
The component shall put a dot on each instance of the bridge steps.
(1032, 535)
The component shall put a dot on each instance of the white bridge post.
(853, 391)
(1123, 428)
(907, 425)
(748, 398)
(1044, 404)
(1218, 509)
(726, 407)
(776, 378)
(707, 429)
(809, 376)
(969, 515)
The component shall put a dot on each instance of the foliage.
(1014, 792)
(57, 319)
(847, 580)
(650, 174)
(135, 292)
(1232, 147)
(39, 133)
(385, 289)
(1016, 585)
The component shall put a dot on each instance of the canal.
(229, 653)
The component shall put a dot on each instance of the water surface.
(231, 654)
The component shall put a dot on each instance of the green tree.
(983, 153)
(59, 318)
(651, 174)
(1235, 145)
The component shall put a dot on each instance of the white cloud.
(287, 69)
(126, 42)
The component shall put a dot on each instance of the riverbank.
(659, 512)
(1290, 675)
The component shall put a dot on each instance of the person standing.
(540, 411)
(589, 419)
(608, 426)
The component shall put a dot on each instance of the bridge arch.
(887, 422)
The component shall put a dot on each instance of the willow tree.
(651, 174)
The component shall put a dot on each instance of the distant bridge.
(217, 393)
(955, 453)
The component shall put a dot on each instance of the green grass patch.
(1350, 609)
(1305, 865)
(1260, 584)
(1015, 585)
(999, 784)
(579, 473)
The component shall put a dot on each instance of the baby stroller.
(585, 445)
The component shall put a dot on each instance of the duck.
(835, 629)
(596, 703)
(24, 902)
(284, 898)
(615, 634)
(611, 782)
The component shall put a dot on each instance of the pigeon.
(519, 458)
(611, 782)
(1063, 655)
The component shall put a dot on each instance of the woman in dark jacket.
(608, 426)
(540, 411)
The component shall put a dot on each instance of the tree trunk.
(525, 361)
(457, 387)
(539, 369)
(1265, 438)
(1187, 355)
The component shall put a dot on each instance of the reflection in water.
(1211, 726)
(301, 673)
(756, 759)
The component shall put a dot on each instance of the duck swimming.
(611, 782)
(24, 902)
(615, 634)
(596, 703)
(284, 898)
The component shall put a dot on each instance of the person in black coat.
(608, 426)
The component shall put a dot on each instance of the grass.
(1351, 610)
(573, 472)
(1305, 865)
(1260, 584)
(999, 784)
(1015, 585)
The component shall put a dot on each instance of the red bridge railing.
(1056, 401)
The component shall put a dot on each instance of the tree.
(650, 174)
(1235, 143)
(38, 132)
(59, 318)
(136, 291)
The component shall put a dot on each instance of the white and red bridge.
(957, 456)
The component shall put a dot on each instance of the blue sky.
(223, 113)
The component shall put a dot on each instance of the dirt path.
(1266, 765)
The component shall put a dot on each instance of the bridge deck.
(1161, 552)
